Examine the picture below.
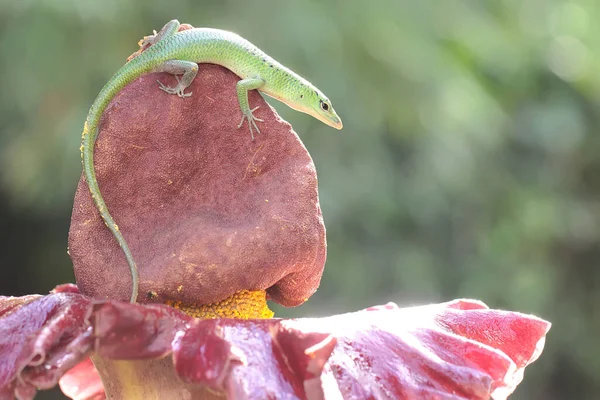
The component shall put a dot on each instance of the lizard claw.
(178, 90)
(148, 40)
(251, 121)
(253, 117)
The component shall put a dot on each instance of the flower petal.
(381, 352)
(127, 331)
(41, 339)
(456, 350)
(202, 355)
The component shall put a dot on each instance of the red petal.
(41, 339)
(382, 352)
(202, 355)
(457, 350)
(9, 304)
(127, 331)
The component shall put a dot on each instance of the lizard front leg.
(242, 88)
(188, 69)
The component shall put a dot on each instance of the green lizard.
(178, 53)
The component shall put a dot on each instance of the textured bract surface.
(457, 350)
(206, 211)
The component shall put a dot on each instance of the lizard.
(179, 52)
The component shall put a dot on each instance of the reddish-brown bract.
(206, 211)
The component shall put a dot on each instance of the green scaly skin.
(179, 53)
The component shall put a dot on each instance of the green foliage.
(467, 166)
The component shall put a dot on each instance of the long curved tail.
(125, 75)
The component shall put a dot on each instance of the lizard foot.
(251, 121)
(178, 90)
(148, 40)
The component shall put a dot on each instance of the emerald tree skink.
(179, 53)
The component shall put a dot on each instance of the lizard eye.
(324, 106)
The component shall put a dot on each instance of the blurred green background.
(468, 165)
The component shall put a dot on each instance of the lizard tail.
(128, 73)
(87, 150)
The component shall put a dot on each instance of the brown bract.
(206, 211)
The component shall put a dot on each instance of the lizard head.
(321, 109)
(324, 112)
(313, 102)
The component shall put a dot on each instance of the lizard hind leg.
(168, 30)
(187, 69)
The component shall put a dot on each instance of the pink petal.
(82, 382)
